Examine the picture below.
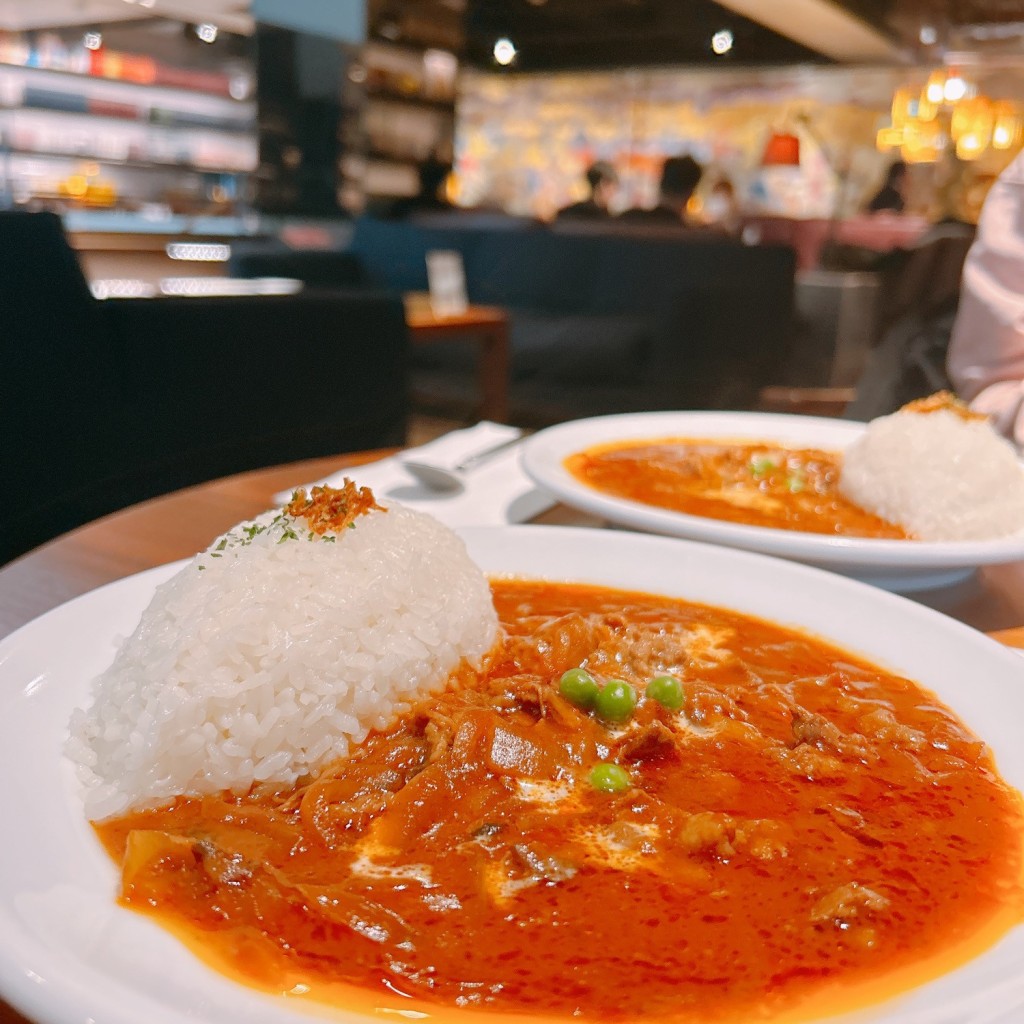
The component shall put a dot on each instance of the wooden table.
(485, 325)
(178, 525)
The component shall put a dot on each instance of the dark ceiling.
(555, 35)
(583, 34)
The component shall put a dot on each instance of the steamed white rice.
(269, 654)
(940, 476)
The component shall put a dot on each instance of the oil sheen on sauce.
(806, 833)
(755, 484)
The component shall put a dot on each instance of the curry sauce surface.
(755, 484)
(803, 821)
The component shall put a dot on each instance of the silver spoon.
(450, 478)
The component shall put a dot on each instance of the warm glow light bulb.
(969, 146)
(934, 91)
(1006, 125)
(955, 89)
(504, 52)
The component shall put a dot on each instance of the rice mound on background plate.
(941, 473)
(274, 650)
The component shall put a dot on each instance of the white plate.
(69, 955)
(895, 564)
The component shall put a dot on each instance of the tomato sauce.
(806, 830)
(754, 484)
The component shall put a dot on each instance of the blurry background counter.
(140, 247)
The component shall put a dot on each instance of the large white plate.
(69, 955)
(895, 564)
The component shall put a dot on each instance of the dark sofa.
(103, 404)
(608, 319)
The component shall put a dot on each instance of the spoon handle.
(487, 453)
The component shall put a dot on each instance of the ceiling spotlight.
(928, 35)
(207, 32)
(721, 41)
(92, 40)
(504, 52)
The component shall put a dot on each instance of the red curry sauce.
(755, 484)
(804, 823)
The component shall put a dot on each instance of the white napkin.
(496, 491)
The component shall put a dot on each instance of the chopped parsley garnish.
(762, 465)
(326, 512)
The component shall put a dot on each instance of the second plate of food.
(757, 481)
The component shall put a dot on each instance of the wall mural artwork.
(524, 141)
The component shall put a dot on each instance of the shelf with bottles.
(63, 183)
(52, 93)
(396, 72)
(132, 164)
(410, 87)
(194, 132)
(406, 134)
(48, 53)
(389, 179)
(124, 142)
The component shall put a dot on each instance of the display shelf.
(124, 222)
(384, 155)
(409, 116)
(135, 165)
(221, 128)
(412, 100)
(205, 83)
(168, 140)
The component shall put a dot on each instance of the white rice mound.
(266, 657)
(939, 476)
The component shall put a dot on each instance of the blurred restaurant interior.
(194, 191)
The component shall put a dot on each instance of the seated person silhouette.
(890, 196)
(680, 176)
(602, 182)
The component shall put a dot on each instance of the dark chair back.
(104, 404)
(60, 388)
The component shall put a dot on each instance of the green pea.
(616, 701)
(667, 691)
(578, 687)
(610, 778)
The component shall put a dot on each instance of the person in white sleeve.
(986, 351)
